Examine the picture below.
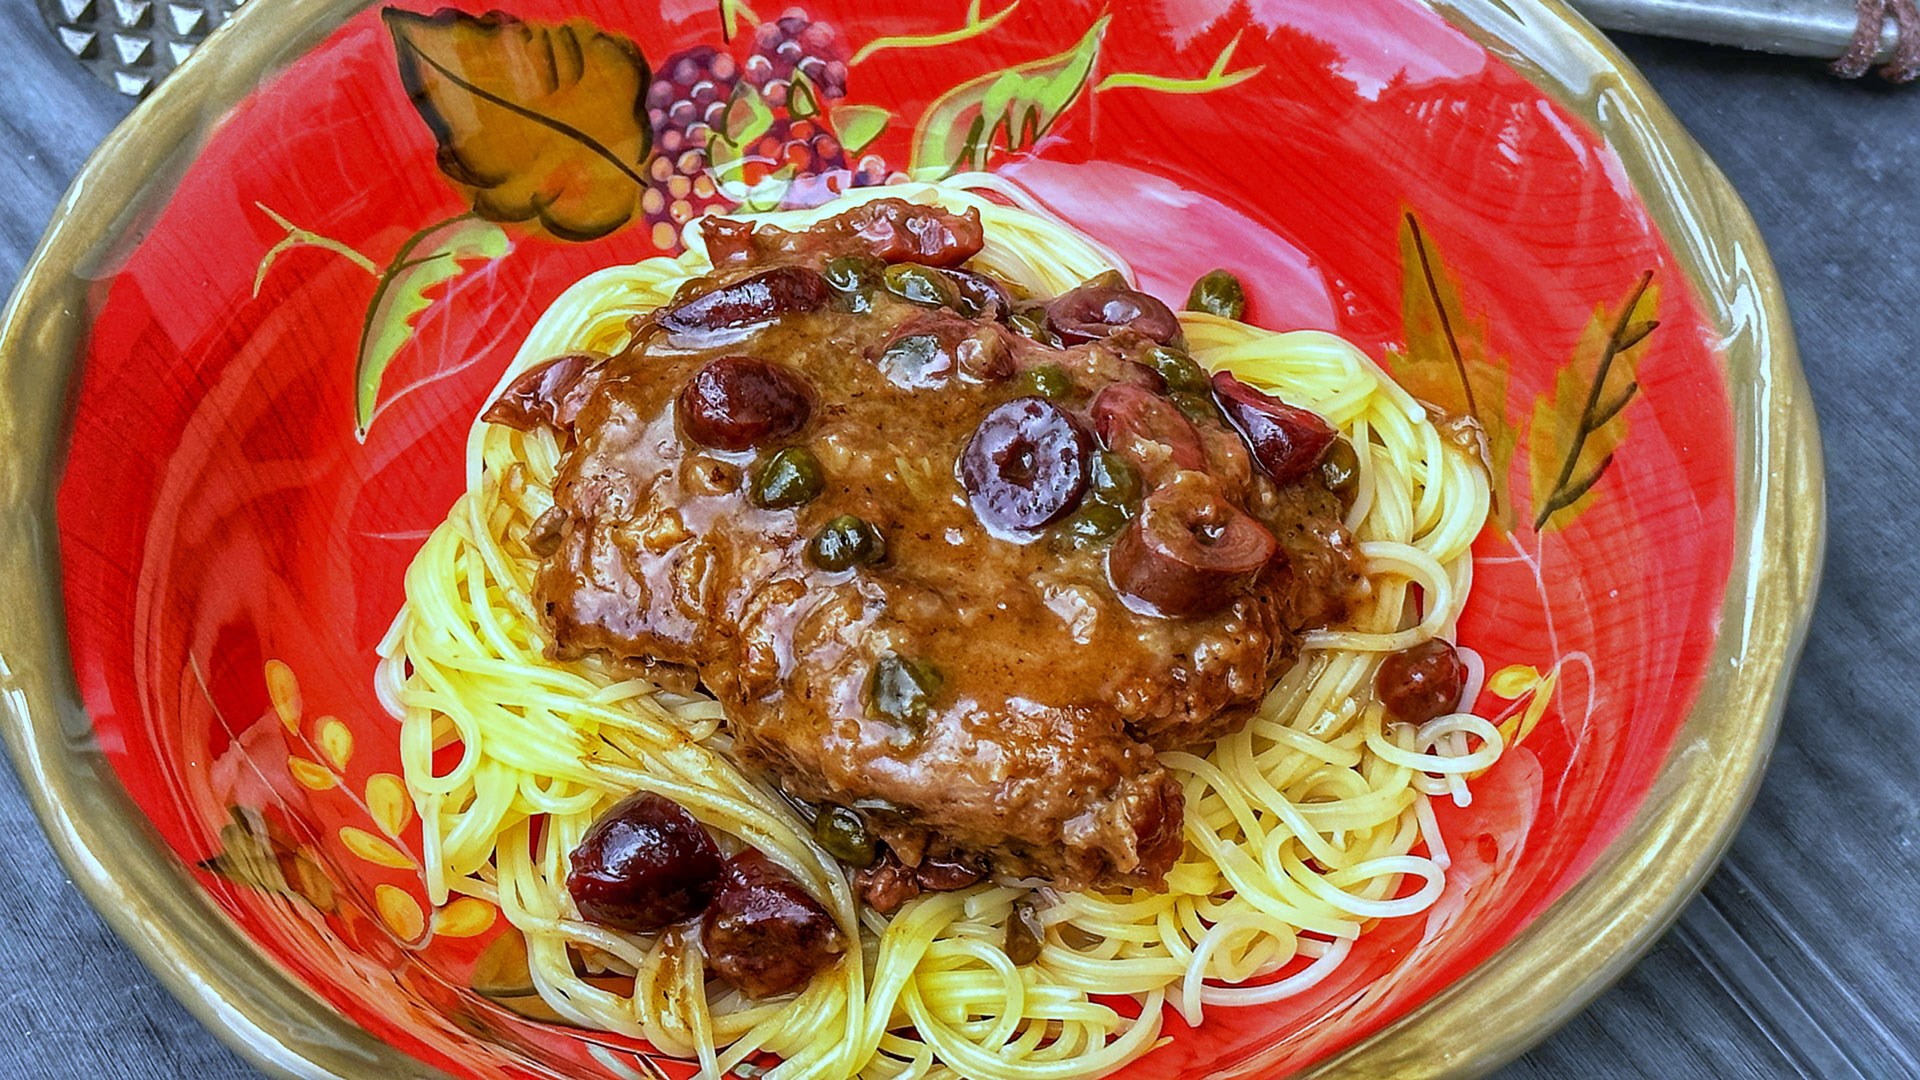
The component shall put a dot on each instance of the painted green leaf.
(1008, 110)
(1579, 427)
(433, 256)
(254, 854)
(1448, 363)
(859, 125)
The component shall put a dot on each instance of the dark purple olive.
(946, 873)
(1421, 683)
(748, 302)
(644, 865)
(738, 402)
(1189, 551)
(1026, 465)
(981, 297)
(1096, 310)
(886, 884)
(763, 932)
(900, 232)
(1148, 430)
(1287, 442)
(550, 394)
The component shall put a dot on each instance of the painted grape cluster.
(727, 130)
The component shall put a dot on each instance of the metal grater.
(131, 44)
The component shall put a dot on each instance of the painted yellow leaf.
(1513, 681)
(336, 742)
(1448, 363)
(534, 120)
(374, 849)
(311, 775)
(255, 854)
(387, 800)
(467, 916)
(400, 911)
(283, 689)
(1516, 728)
(1578, 427)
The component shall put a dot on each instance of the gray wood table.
(1801, 957)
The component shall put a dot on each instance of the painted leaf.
(503, 976)
(1448, 363)
(433, 256)
(255, 854)
(1008, 110)
(1579, 427)
(534, 120)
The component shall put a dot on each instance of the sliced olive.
(1181, 373)
(1220, 293)
(1113, 479)
(899, 231)
(1189, 551)
(842, 832)
(1286, 441)
(1026, 465)
(1148, 430)
(737, 402)
(749, 302)
(763, 932)
(1091, 312)
(981, 297)
(1340, 469)
(922, 285)
(901, 689)
(1049, 381)
(550, 394)
(846, 542)
(789, 478)
(643, 864)
(1421, 683)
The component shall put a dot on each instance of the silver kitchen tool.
(131, 44)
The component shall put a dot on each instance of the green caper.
(1340, 469)
(1180, 371)
(1113, 479)
(842, 832)
(1106, 279)
(855, 277)
(789, 478)
(1049, 381)
(1031, 323)
(1197, 407)
(922, 285)
(1025, 937)
(1095, 521)
(846, 542)
(901, 690)
(1218, 293)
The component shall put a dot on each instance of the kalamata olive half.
(1189, 551)
(1286, 441)
(739, 402)
(749, 302)
(763, 932)
(1095, 311)
(1147, 430)
(981, 297)
(1026, 465)
(1421, 683)
(899, 231)
(549, 394)
(645, 864)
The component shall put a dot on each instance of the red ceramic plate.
(283, 359)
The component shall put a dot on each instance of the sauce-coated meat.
(1009, 571)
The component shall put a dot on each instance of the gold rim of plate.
(1552, 969)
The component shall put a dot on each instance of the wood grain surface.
(1799, 957)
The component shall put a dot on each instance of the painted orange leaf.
(1579, 426)
(1007, 110)
(1448, 363)
(534, 120)
(254, 853)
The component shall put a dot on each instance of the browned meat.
(882, 534)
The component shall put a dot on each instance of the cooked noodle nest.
(1301, 830)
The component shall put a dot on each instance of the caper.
(1340, 469)
(846, 542)
(901, 690)
(1179, 370)
(789, 478)
(1113, 479)
(855, 277)
(922, 285)
(1031, 323)
(1106, 279)
(1197, 407)
(1218, 293)
(1049, 381)
(916, 360)
(842, 832)
(1024, 934)
(1095, 521)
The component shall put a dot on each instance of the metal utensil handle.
(1818, 28)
